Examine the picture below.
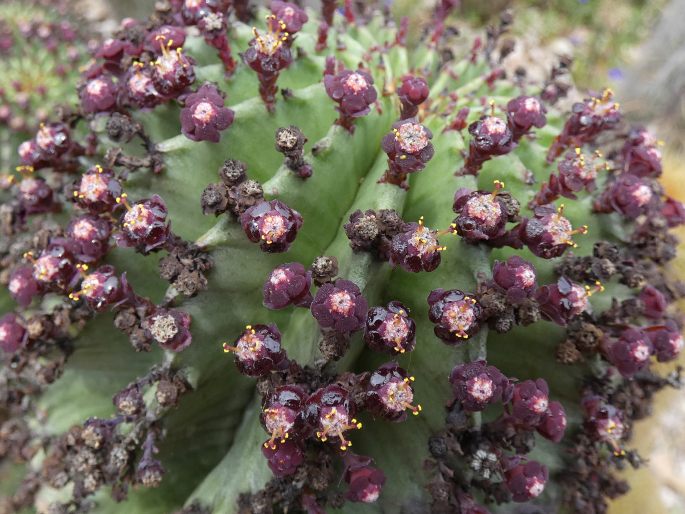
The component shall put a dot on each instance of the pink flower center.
(46, 268)
(526, 276)
(204, 112)
(356, 82)
(93, 187)
(412, 137)
(395, 329)
(139, 83)
(17, 284)
(535, 487)
(91, 284)
(278, 277)
(138, 218)
(642, 194)
(485, 208)
(424, 240)
(248, 347)
(341, 302)
(370, 493)
(84, 230)
(539, 404)
(278, 420)
(459, 317)
(273, 227)
(560, 229)
(531, 105)
(494, 125)
(96, 87)
(397, 395)
(640, 352)
(28, 186)
(481, 388)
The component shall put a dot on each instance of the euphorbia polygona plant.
(395, 335)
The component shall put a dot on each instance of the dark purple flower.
(53, 140)
(272, 224)
(575, 172)
(628, 195)
(258, 350)
(98, 190)
(330, 411)
(562, 301)
(390, 329)
(13, 334)
(204, 114)
(482, 216)
(23, 286)
(283, 458)
(144, 225)
(526, 481)
(364, 481)
(640, 154)
(477, 385)
(389, 393)
(413, 91)
(173, 72)
(353, 91)
(553, 423)
(98, 94)
(516, 277)
(288, 284)
(603, 421)
(282, 414)
(170, 328)
(524, 113)
(268, 55)
(548, 234)
(129, 401)
(415, 248)
(35, 195)
(631, 351)
(91, 237)
(139, 89)
(340, 306)
(408, 148)
(56, 266)
(290, 15)
(653, 301)
(530, 401)
(456, 315)
(666, 340)
(101, 288)
(491, 136)
(588, 119)
(673, 211)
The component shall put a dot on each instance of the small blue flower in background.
(616, 74)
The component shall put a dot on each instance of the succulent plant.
(368, 230)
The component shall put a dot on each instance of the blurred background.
(636, 47)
